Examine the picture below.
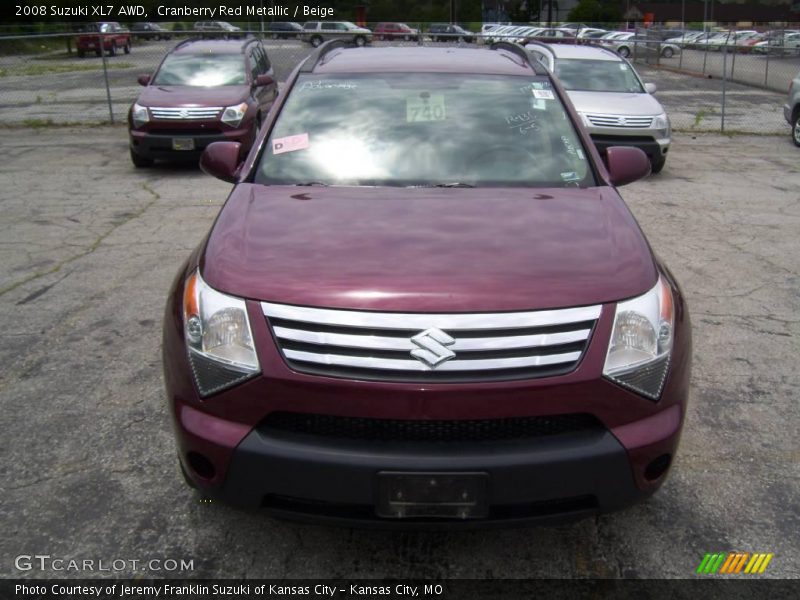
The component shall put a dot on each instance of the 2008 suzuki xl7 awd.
(425, 303)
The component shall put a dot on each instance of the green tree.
(595, 11)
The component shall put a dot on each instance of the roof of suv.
(212, 46)
(583, 51)
(423, 60)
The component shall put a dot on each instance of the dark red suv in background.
(395, 31)
(425, 303)
(110, 37)
(202, 92)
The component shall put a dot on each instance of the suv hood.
(427, 250)
(615, 103)
(180, 95)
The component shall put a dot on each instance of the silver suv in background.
(617, 108)
(316, 32)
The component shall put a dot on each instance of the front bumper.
(654, 148)
(328, 477)
(787, 114)
(155, 144)
(559, 477)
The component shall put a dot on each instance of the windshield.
(423, 130)
(201, 70)
(583, 75)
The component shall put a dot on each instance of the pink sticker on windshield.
(290, 143)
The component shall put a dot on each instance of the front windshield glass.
(423, 130)
(201, 70)
(583, 75)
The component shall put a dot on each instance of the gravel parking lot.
(89, 246)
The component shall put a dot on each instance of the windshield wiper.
(455, 184)
(310, 183)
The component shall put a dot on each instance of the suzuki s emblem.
(623, 121)
(432, 349)
(184, 113)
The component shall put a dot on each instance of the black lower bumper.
(559, 477)
(646, 144)
(160, 147)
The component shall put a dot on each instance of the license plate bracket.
(183, 143)
(404, 495)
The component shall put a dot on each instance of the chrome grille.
(620, 121)
(204, 112)
(431, 346)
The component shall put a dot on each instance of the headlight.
(661, 125)
(139, 115)
(233, 115)
(641, 341)
(218, 336)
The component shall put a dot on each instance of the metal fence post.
(724, 80)
(705, 57)
(105, 76)
(766, 69)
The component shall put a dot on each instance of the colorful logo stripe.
(734, 562)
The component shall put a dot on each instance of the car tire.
(405, 38)
(127, 48)
(113, 50)
(81, 54)
(657, 164)
(796, 128)
(316, 41)
(360, 41)
(98, 52)
(667, 52)
(140, 162)
(624, 51)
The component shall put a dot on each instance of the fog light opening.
(657, 467)
(201, 465)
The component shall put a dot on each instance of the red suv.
(395, 31)
(109, 36)
(202, 92)
(425, 303)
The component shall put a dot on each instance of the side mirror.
(263, 80)
(143, 79)
(650, 88)
(625, 164)
(221, 160)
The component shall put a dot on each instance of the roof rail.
(522, 53)
(186, 41)
(317, 55)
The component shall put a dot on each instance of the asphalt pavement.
(89, 245)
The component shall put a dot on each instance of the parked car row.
(741, 41)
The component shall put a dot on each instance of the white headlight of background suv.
(661, 125)
(139, 115)
(641, 341)
(233, 115)
(218, 336)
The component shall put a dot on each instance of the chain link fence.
(720, 84)
(47, 80)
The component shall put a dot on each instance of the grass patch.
(35, 123)
(32, 46)
(32, 70)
